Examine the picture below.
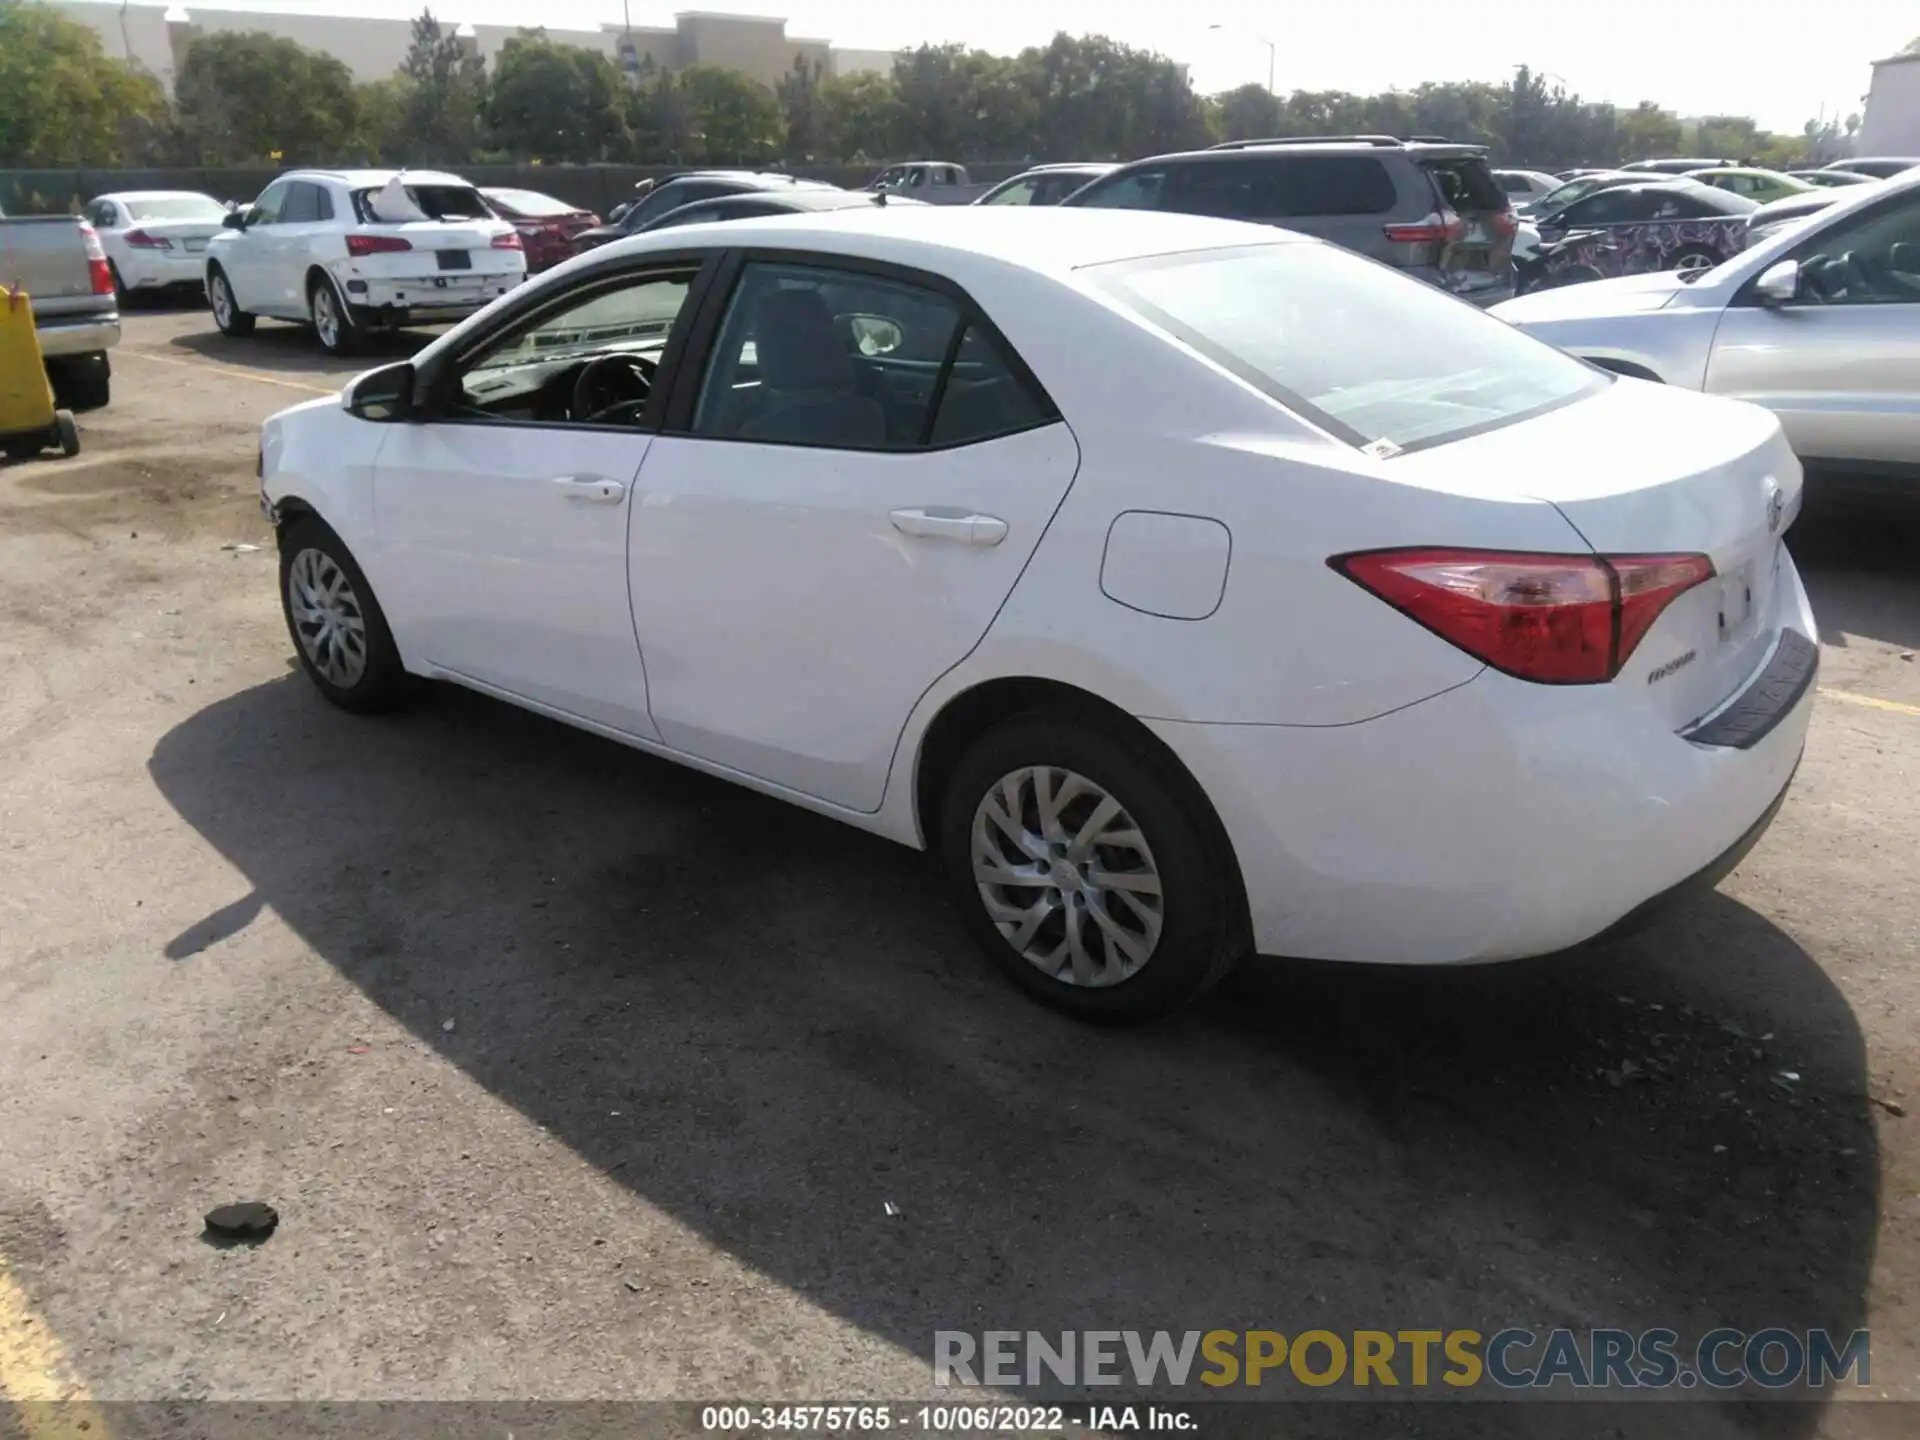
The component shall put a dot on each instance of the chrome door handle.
(945, 522)
(590, 489)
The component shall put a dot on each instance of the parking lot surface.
(573, 1074)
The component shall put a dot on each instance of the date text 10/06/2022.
(943, 1419)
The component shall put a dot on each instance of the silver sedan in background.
(1818, 321)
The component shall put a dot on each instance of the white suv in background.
(353, 251)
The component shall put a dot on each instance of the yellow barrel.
(26, 399)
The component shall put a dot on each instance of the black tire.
(332, 319)
(65, 433)
(231, 319)
(83, 383)
(1203, 929)
(381, 681)
(17, 447)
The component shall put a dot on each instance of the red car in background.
(546, 225)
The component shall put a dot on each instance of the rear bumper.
(1494, 821)
(1499, 291)
(159, 269)
(442, 297)
(60, 336)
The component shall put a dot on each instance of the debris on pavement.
(889, 1207)
(251, 1220)
(1892, 1107)
(358, 1049)
(447, 1026)
(239, 547)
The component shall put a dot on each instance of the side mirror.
(1778, 284)
(234, 220)
(875, 334)
(384, 395)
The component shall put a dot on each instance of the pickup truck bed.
(58, 261)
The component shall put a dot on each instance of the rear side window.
(1468, 186)
(1226, 189)
(1308, 185)
(301, 207)
(1384, 362)
(983, 398)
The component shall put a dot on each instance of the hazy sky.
(1775, 61)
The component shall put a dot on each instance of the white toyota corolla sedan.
(1192, 588)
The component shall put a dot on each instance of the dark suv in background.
(1428, 207)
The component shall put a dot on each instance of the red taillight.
(141, 240)
(1505, 223)
(1553, 619)
(100, 276)
(1437, 229)
(377, 244)
(509, 241)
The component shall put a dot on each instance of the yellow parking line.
(214, 365)
(35, 1373)
(1898, 707)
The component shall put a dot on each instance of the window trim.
(704, 334)
(432, 394)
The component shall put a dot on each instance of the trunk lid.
(182, 235)
(1640, 469)
(1478, 254)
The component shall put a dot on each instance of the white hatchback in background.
(1189, 587)
(354, 251)
(156, 240)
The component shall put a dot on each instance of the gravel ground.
(575, 1075)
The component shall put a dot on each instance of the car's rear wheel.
(1090, 874)
(336, 623)
(332, 325)
(227, 314)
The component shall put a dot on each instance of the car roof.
(746, 180)
(153, 195)
(1731, 170)
(801, 201)
(1049, 240)
(374, 179)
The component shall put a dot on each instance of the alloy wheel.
(327, 617)
(1067, 877)
(1693, 264)
(221, 298)
(326, 317)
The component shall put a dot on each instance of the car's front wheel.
(1089, 872)
(336, 623)
(227, 314)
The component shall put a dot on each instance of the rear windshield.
(435, 202)
(1382, 361)
(532, 203)
(1466, 184)
(176, 207)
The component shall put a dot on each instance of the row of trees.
(246, 98)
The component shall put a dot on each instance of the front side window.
(1020, 192)
(1867, 259)
(266, 210)
(812, 355)
(1382, 361)
(1135, 190)
(592, 361)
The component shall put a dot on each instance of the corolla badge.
(1776, 507)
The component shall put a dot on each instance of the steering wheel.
(613, 387)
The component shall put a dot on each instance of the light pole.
(1272, 53)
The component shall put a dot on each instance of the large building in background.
(1890, 125)
(156, 36)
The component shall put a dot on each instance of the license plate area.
(454, 259)
(196, 245)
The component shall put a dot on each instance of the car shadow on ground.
(1606, 1137)
(291, 348)
(1858, 549)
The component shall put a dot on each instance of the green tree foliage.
(803, 111)
(731, 119)
(243, 96)
(446, 90)
(385, 135)
(864, 117)
(557, 102)
(63, 102)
